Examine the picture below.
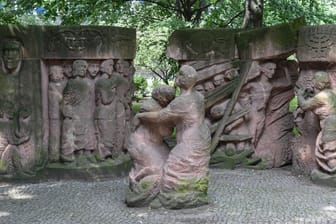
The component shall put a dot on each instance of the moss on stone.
(3, 166)
(193, 184)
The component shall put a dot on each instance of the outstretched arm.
(149, 116)
(309, 103)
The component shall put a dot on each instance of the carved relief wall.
(314, 148)
(247, 90)
(65, 96)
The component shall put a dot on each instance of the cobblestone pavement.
(237, 196)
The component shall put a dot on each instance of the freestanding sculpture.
(148, 150)
(184, 181)
(322, 103)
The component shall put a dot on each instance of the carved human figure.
(110, 114)
(148, 151)
(78, 132)
(15, 113)
(323, 104)
(16, 140)
(187, 164)
(236, 128)
(255, 95)
(56, 86)
(125, 91)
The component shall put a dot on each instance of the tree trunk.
(253, 13)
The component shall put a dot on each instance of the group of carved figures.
(262, 102)
(89, 109)
(176, 178)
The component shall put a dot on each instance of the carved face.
(199, 88)
(79, 68)
(269, 69)
(55, 72)
(218, 80)
(11, 54)
(186, 77)
(121, 67)
(67, 70)
(232, 73)
(107, 66)
(208, 86)
(93, 69)
(321, 80)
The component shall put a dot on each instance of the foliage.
(155, 20)
(141, 84)
(315, 11)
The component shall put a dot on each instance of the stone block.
(278, 41)
(202, 44)
(317, 44)
(82, 42)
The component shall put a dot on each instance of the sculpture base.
(221, 159)
(77, 170)
(321, 178)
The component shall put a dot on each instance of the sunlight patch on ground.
(16, 193)
(2, 214)
(329, 208)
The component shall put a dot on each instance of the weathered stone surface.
(317, 44)
(276, 42)
(307, 124)
(48, 96)
(21, 119)
(202, 44)
(27, 35)
(82, 42)
(322, 102)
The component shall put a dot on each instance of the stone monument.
(179, 178)
(247, 82)
(53, 102)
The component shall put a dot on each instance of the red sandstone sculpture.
(184, 181)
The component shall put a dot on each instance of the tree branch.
(233, 18)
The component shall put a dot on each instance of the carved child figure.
(148, 151)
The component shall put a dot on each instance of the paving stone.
(237, 196)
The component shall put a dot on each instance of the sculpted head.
(121, 66)
(208, 86)
(107, 66)
(321, 80)
(268, 69)
(79, 68)
(163, 94)
(93, 69)
(11, 54)
(187, 77)
(55, 73)
(218, 80)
